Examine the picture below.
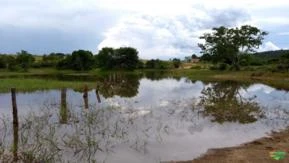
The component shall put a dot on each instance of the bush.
(176, 63)
(158, 64)
(223, 66)
(282, 67)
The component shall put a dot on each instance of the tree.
(126, 57)
(104, 57)
(150, 64)
(80, 60)
(11, 63)
(3, 61)
(24, 60)
(225, 45)
(123, 58)
(52, 59)
(283, 63)
(158, 64)
(176, 62)
(194, 56)
(206, 57)
(140, 64)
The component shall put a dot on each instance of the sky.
(156, 28)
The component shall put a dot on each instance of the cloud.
(158, 28)
(168, 37)
(269, 46)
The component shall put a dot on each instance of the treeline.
(22, 61)
(83, 60)
(278, 60)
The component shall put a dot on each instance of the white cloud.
(158, 28)
(168, 37)
(183, 21)
(268, 46)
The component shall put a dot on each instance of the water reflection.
(119, 84)
(223, 102)
(154, 123)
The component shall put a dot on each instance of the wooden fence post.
(97, 94)
(15, 124)
(63, 107)
(85, 96)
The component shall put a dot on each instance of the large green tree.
(126, 57)
(104, 57)
(80, 60)
(123, 58)
(226, 45)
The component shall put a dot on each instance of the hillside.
(271, 54)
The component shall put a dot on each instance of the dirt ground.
(257, 151)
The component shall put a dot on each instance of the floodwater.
(141, 119)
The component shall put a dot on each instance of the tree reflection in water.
(224, 103)
(124, 85)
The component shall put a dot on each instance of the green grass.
(274, 79)
(28, 81)
(40, 84)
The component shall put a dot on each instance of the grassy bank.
(24, 85)
(277, 80)
(33, 80)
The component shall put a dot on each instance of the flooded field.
(139, 119)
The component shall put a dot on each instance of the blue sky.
(157, 28)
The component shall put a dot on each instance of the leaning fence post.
(85, 96)
(15, 123)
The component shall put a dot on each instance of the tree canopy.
(79, 60)
(226, 45)
(121, 58)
